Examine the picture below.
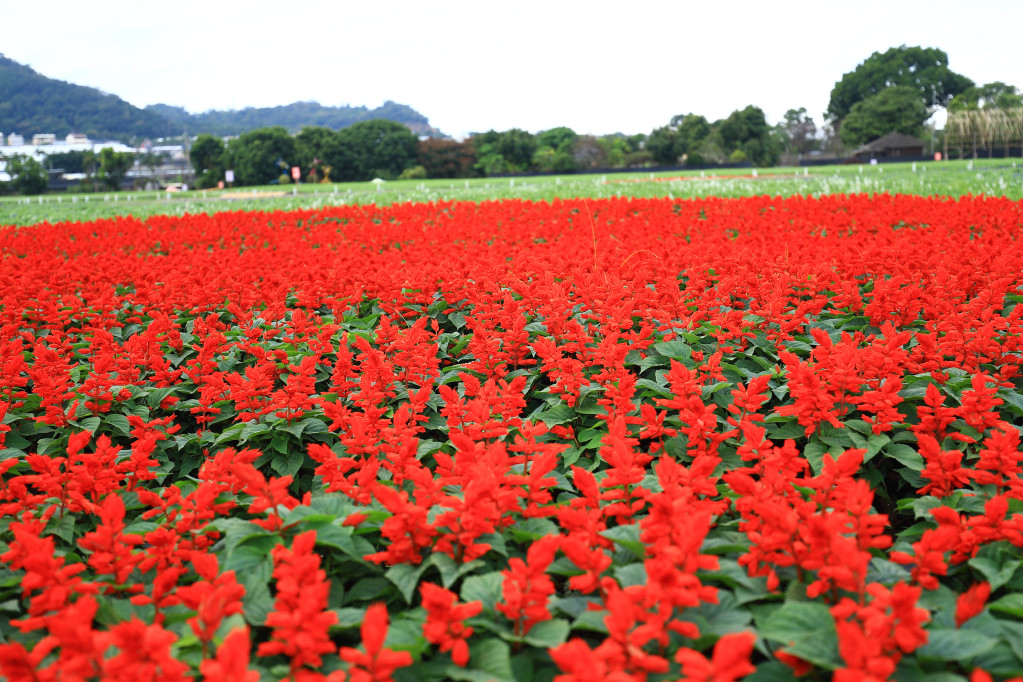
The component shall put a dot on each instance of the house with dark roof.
(891, 146)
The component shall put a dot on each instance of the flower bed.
(616, 439)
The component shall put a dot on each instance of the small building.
(894, 145)
(40, 139)
(76, 138)
(15, 140)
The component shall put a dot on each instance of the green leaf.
(548, 633)
(909, 670)
(343, 538)
(994, 573)
(627, 537)
(367, 589)
(62, 526)
(558, 414)
(719, 619)
(673, 349)
(630, 574)
(1011, 604)
(806, 630)
(287, 463)
(947, 644)
(489, 659)
(406, 578)
(119, 423)
(257, 602)
(250, 429)
(486, 588)
(405, 633)
(449, 570)
(349, 617)
(904, 455)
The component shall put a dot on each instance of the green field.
(997, 177)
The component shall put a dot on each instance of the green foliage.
(555, 151)
(747, 130)
(446, 158)
(207, 156)
(924, 70)
(293, 116)
(380, 149)
(517, 147)
(893, 109)
(33, 102)
(113, 167)
(254, 156)
(27, 174)
(558, 139)
(738, 156)
(327, 147)
(413, 173)
(691, 129)
(68, 162)
(995, 95)
(663, 145)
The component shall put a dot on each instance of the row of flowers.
(620, 439)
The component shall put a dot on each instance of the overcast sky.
(625, 66)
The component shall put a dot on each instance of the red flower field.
(610, 440)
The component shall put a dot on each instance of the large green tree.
(746, 130)
(113, 167)
(692, 129)
(664, 145)
(923, 69)
(322, 147)
(897, 108)
(555, 150)
(446, 158)
(27, 175)
(207, 156)
(380, 149)
(517, 147)
(261, 156)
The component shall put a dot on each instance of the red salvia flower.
(972, 601)
(375, 663)
(445, 618)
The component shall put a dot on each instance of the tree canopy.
(924, 70)
(897, 108)
(261, 156)
(995, 95)
(379, 149)
(27, 174)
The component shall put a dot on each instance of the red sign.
(296, 173)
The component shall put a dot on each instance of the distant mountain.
(31, 103)
(293, 117)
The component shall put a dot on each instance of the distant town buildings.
(172, 159)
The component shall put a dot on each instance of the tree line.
(388, 150)
(897, 90)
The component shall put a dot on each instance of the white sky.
(597, 67)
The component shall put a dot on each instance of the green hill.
(293, 117)
(31, 103)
